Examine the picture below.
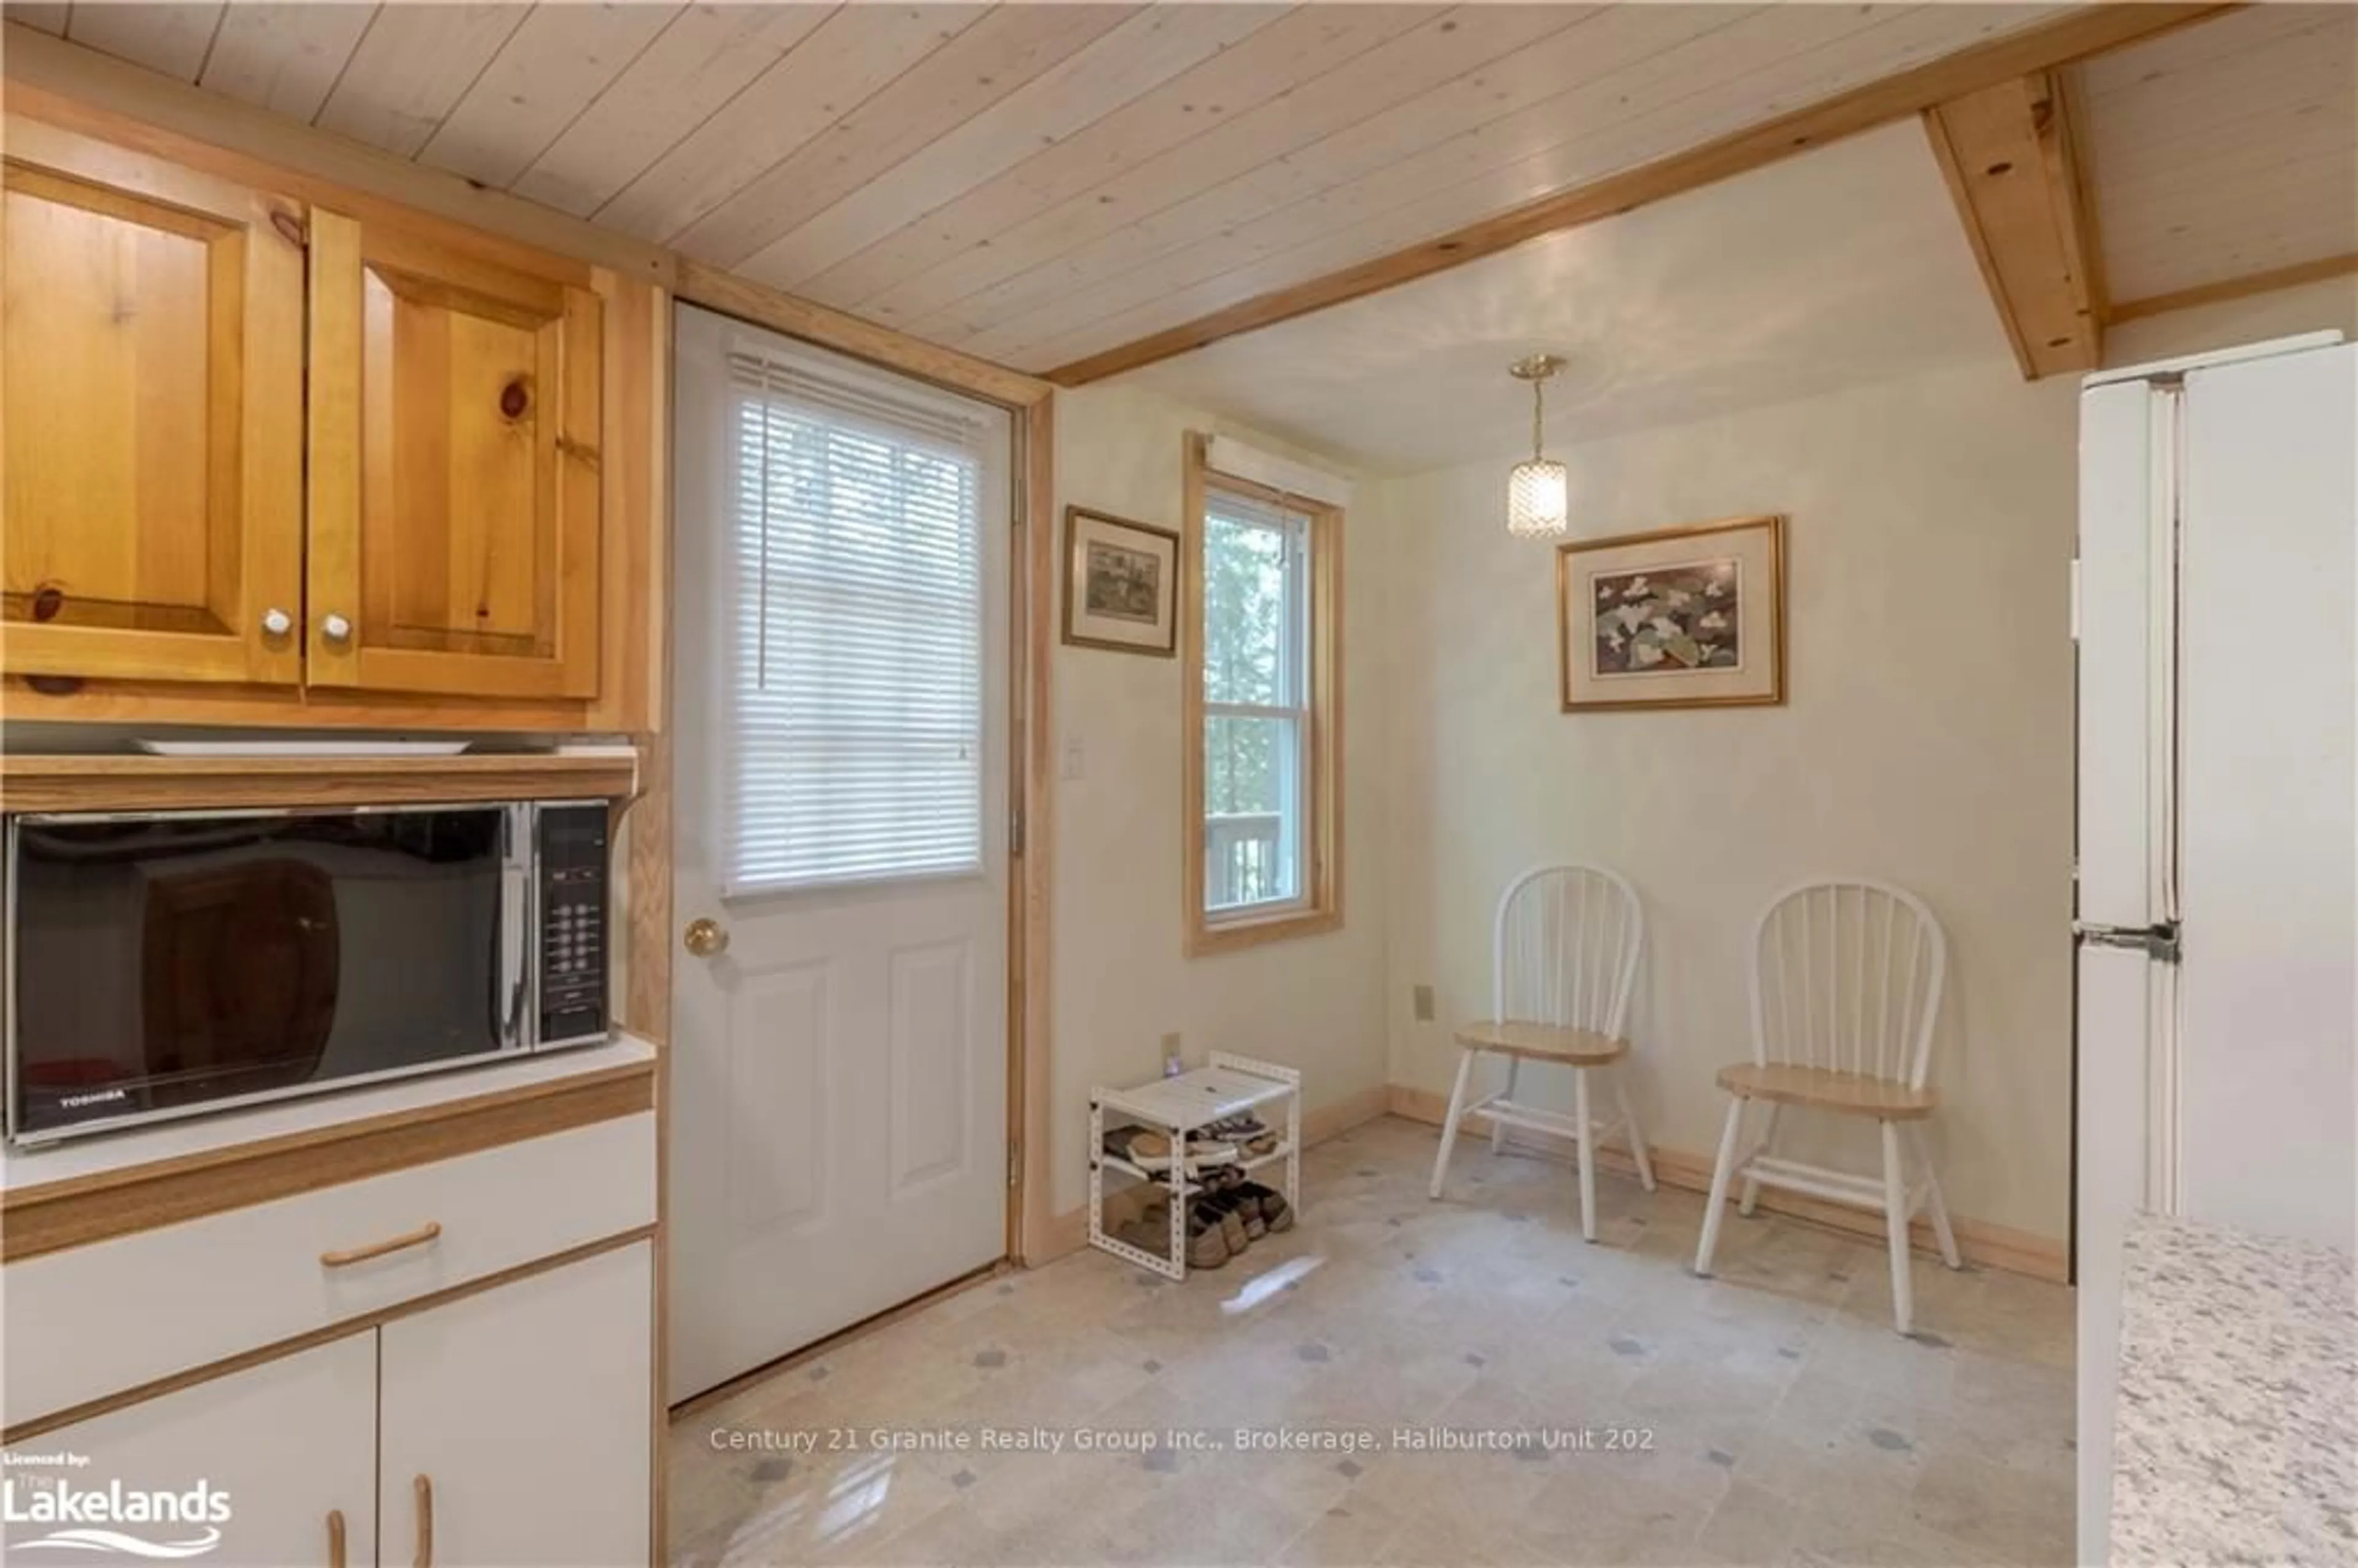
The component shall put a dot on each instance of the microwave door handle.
(516, 954)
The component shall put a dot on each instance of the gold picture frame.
(1121, 584)
(1690, 617)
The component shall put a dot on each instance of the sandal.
(1208, 1243)
(1140, 1146)
(1275, 1212)
(1247, 1208)
(1223, 1219)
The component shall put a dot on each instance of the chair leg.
(1719, 1177)
(1932, 1199)
(1449, 1128)
(1638, 1151)
(1895, 1225)
(1751, 1198)
(1499, 1129)
(1587, 1153)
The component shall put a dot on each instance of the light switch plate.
(1422, 999)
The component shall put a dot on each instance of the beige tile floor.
(1781, 1421)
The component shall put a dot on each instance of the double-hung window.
(1261, 750)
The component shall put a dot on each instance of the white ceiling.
(1030, 183)
(1838, 266)
(2226, 149)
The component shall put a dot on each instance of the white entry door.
(839, 1138)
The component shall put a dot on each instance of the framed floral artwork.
(1121, 584)
(1682, 618)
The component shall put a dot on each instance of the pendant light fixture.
(1537, 493)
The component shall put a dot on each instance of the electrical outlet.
(1422, 999)
(1172, 1066)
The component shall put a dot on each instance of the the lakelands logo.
(112, 1518)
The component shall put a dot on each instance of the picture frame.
(1691, 617)
(1121, 584)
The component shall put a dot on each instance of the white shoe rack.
(1176, 1106)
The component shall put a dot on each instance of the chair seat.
(1851, 1094)
(1543, 1042)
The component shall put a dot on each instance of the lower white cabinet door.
(516, 1426)
(271, 1467)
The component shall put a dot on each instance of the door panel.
(2268, 687)
(277, 1447)
(931, 1047)
(2125, 1041)
(777, 1050)
(840, 1068)
(454, 505)
(154, 385)
(555, 1471)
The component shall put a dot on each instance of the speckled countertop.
(2237, 1436)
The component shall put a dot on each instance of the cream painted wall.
(2331, 303)
(1927, 741)
(1928, 737)
(1119, 979)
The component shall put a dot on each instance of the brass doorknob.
(705, 936)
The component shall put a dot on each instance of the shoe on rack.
(1275, 1212)
(1207, 1239)
(1229, 1223)
(1233, 1201)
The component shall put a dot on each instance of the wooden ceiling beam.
(2318, 271)
(2006, 152)
(2088, 30)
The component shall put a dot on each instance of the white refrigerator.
(2216, 614)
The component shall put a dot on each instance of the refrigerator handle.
(2158, 941)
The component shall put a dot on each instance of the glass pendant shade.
(1537, 492)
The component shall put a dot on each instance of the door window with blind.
(1261, 751)
(856, 640)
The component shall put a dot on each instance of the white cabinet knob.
(277, 622)
(336, 629)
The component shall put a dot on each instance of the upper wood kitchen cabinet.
(151, 364)
(454, 488)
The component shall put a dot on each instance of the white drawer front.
(95, 1320)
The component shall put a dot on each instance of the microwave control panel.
(573, 858)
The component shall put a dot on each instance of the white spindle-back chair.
(1565, 949)
(1846, 984)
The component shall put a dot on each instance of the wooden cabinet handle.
(335, 1538)
(417, 1238)
(424, 1522)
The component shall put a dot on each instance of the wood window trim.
(1321, 910)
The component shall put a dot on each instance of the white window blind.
(853, 742)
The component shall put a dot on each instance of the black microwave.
(168, 964)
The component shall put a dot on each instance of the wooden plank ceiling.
(1033, 183)
(2225, 153)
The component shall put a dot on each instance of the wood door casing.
(154, 385)
(456, 491)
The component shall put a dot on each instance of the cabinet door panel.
(276, 1448)
(529, 1411)
(454, 505)
(152, 362)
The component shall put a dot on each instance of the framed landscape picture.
(1121, 584)
(1683, 618)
